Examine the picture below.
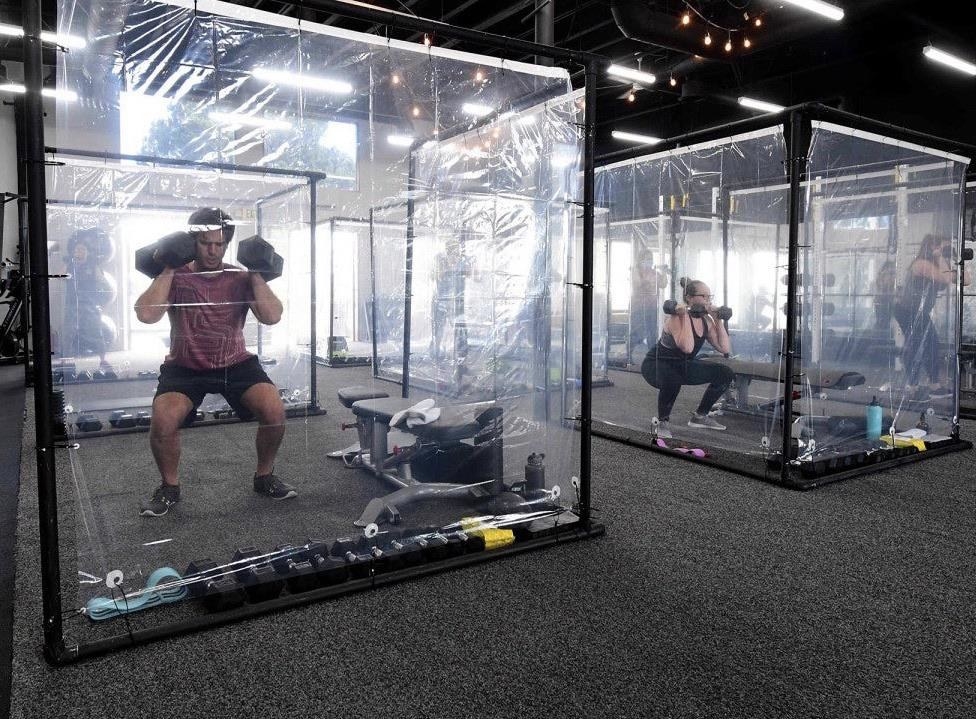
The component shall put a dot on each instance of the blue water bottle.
(874, 419)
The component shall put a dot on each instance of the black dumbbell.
(120, 419)
(143, 418)
(87, 422)
(174, 250)
(257, 255)
(697, 310)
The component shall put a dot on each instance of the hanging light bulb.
(758, 22)
(416, 111)
(686, 18)
(395, 78)
(631, 96)
(746, 42)
(427, 41)
(674, 83)
(708, 39)
(479, 75)
(728, 44)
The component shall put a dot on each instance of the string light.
(674, 83)
(427, 41)
(395, 79)
(747, 21)
(758, 22)
(708, 38)
(631, 96)
(728, 44)
(416, 111)
(746, 42)
(686, 19)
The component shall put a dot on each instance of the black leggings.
(921, 350)
(669, 374)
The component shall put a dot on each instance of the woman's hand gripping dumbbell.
(698, 309)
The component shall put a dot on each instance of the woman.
(671, 362)
(930, 272)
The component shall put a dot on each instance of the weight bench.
(464, 445)
(746, 371)
(348, 396)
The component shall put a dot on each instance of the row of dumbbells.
(255, 576)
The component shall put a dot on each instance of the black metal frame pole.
(725, 198)
(586, 361)
(259, 229)
(372, 281)
(40, 311)
(313, 385)
(408, 276)
(961, 297)
(796, 168)
(23, 249)
(332, 233)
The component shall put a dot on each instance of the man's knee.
(264, 402)
(168, 414)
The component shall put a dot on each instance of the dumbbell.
(697, 310)
(174, 250)
(257, 255)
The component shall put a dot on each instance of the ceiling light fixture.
(19, 89)
(754, 104)
(819, 7)
(400, 140)
(634, 137)
(308, 82)
(473, 108)
(70, 41)
(629, 73)
(949, 60)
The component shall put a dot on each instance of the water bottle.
(874, 419)
(535, 472)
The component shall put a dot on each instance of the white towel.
(424, 412)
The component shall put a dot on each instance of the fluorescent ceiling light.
(309, 82)
(66, 95)
(630, 74)
(957, 63)
(70, 41)
(635, 137)
(821, 8)
(473, 108)
(400, 140)
(237, 118)
(760, 105)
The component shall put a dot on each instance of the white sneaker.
(704, 422)
(664, 430)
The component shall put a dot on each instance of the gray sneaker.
(270, 486)
(664, 429)
(704, 422)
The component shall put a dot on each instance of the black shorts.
(231, 382)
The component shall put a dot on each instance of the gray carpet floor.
(711, 595)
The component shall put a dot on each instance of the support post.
(40, 313)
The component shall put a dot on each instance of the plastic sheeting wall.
(718, 212)
(344, 151)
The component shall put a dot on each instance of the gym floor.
(712, 595)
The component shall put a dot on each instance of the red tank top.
(206, 315)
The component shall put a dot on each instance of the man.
(207, 302)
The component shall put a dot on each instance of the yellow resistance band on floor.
(494, 537)
(904, 442)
